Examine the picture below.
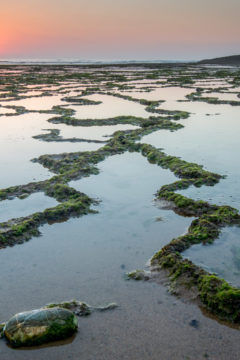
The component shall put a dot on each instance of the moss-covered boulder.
(40, 326)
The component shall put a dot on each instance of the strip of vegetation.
(76, 100)
(67, 167)
(54, 135)
(74, 203)
(216, 294)
(152, 106)
(211, 100)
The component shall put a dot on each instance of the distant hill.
(226, 60)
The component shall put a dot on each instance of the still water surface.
(86, 258)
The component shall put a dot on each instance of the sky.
(119, 29)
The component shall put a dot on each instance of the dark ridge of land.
(226, 60)
(233, 60)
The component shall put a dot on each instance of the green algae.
(219, 297)
(73, 203)
(181, 168)
(52, 322)
(205, 229)
(40, 326)
(137, 275)
(79, 308)
(53, 135)
(197, 96)
(76, 100)
(129, 120)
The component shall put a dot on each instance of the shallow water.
(212, 84)
(17, 147)
(101, 248)
(31, 93)
(226, 192)
(86, 258)
(126, 231)
(209, 140)
(38, 103)
(222, 257)
(223, 96)
(162, 93)
(10, 209)
(111, 106)
(91, 132)
(6, 111)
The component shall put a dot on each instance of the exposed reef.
(76, 100)
(54, 135)
(70, 166)
(130, 120)
(73, 203)
(213, 293)
(197, 96)
(217, 295)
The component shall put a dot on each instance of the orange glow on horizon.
(76, 27)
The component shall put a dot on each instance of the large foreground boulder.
(40, 326)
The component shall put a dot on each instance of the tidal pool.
(212, 141)
(111, 106)
(4, 110)
(87, 258)
(212, 84)
(223, 96)
(38, 103)
(162, 93)
(10, 209)
(222, 257)
(91, 132)
(17, 148)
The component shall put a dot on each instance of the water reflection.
(222, 257)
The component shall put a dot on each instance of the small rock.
(40, 326)
(138, 275)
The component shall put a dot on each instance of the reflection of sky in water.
(93, 132)
(17, 147)
(164, 93)
(222, 257)
(111, 106)
(4, 110)
(222, 96)
(86, 258)
(10, 209)
(212, 141)
(38, 103)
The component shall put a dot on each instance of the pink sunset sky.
(118, 30)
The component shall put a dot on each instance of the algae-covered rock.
(138, 275)
(40, 326)
(79, 308)
(1, 330)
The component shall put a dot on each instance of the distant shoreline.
(70, 62)
(233, 60)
